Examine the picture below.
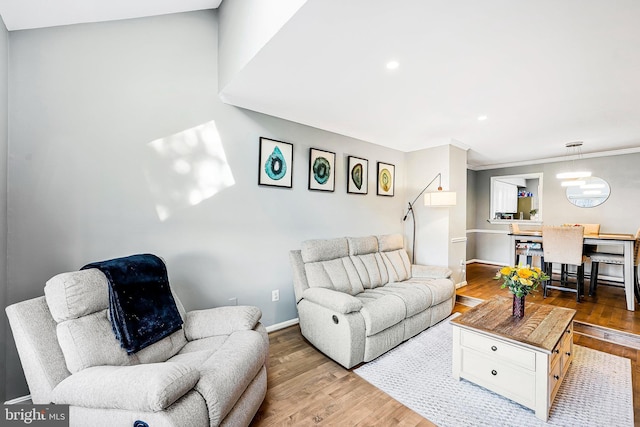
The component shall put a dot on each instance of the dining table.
(624, 241)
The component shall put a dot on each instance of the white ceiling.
(544, 72)
(29, 14)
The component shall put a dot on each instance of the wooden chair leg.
(593, 282)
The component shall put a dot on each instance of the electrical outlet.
(233, 301)
(275, 295)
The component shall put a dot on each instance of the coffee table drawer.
(503, 378)
(498, 349)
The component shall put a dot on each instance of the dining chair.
(529, 249)
(616, 259)
(588, 229)
(564, 245)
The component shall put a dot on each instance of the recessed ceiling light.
(392, 65)
(482, 118)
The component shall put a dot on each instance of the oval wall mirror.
(594, 192)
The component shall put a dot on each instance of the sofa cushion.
(371, 270)
(441, 289)
(390, 242)
(380, 311)
(150, 387)
(324, 250)
(228, 370)
(362, 245)
(416, 297)
(338, 274)
(89, 341)
(77, 293)
(398, 265)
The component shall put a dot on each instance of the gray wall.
(619, 214)
(4, 129)
(85, 100)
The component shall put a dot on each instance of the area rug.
(596, 392)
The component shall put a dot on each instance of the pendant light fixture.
(573, 176)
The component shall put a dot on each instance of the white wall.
(436, 227)
(619, 214)
(245, 27)
(4, 129)
(85, 101)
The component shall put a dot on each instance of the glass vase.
(518, 306)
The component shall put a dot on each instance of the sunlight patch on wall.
(187, 168)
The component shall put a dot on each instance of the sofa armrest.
(148, 387)
(220, 321)
(334, 300)
(430, 272)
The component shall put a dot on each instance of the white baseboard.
(461, 284)
(282, 325)
(17, 400)
(482, 261)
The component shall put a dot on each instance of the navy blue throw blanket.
(142, 308)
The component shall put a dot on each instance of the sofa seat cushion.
(416, 297)
(441, 289)
(380, 311)
(226, 370)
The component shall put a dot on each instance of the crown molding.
(556, 159)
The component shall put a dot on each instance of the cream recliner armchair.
(210, 372)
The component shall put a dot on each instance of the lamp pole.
(413, 217)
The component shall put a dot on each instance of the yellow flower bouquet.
(521, 280)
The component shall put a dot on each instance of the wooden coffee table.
(523, 359)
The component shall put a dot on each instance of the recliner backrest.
(368, 262)
(395, 258)
(78, 302)
(327, 265)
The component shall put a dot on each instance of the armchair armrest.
(430, 272)
(220, 321)
(147, 387)
(334, 300)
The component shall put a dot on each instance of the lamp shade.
(440, 198)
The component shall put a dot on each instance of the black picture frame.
(386, 179)
(322, 170)
(357, 175)
(275, 163)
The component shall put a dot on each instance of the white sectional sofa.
(359, 297)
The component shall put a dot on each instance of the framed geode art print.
(322, 171)
(358, 175)
(275, 167)
(386, 179)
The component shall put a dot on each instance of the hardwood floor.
(305, 388)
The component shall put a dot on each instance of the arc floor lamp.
(437, 198)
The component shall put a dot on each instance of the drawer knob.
(556, 351)
(494, 372)
(568, 331)
(494, 348)
(568, 353)
(557, 377)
